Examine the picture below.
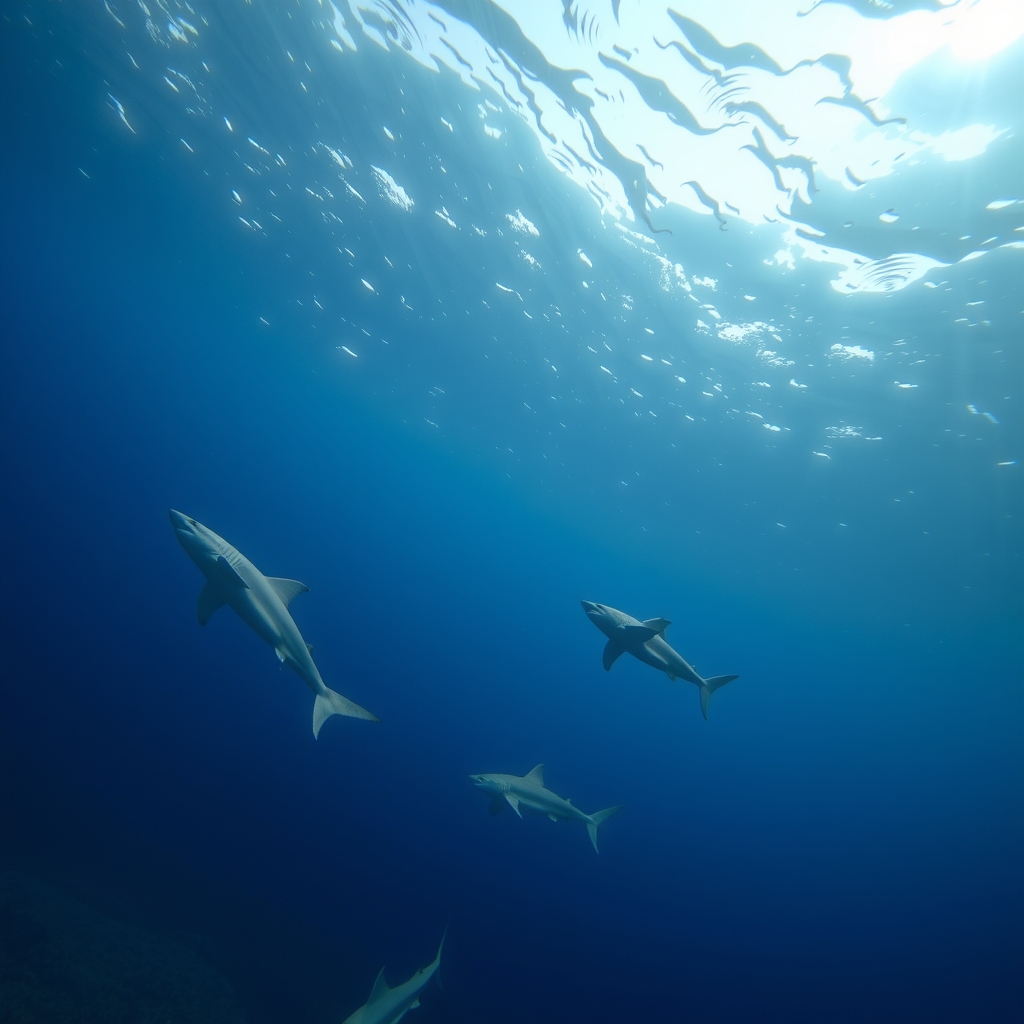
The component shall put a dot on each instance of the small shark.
(528, 792)
(390, 1005)
(262, 604)
(646, 641)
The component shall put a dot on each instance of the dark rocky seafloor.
(62, 962)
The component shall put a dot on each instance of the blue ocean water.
(391, 331)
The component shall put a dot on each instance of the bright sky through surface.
(736, 110)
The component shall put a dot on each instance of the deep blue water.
(841, 841)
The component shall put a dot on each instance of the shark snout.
(180, 521)
(589, 607)
(190, 534)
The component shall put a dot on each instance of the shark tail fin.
(710, 685)
(595, 819)
(437, 960)
(330, 703)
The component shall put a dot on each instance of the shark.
(646, 642)
(261, 602)
(389, 1005)
(527, 792)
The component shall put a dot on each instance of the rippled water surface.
(460, 313)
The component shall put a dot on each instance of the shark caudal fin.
(330, 703)
(436, 965)
(710, 685)
(596, 819)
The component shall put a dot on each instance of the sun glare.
(982, 28)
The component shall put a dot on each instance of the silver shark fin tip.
(710, 685)
(596, 819)
(331, 703)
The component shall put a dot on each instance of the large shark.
(389, 1005)
(262, 603)
(528, 792)
(646, 641)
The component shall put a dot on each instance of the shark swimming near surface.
(646, 642)
(527, 792)
(390, 1005)
(261, 602)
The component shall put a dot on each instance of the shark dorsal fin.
(286, 589)
(210, 600)
(379, 990)
(659, 625)
(230, 574)
(638, 634)
(537, 775)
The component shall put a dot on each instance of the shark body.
(646, 642)
(261, 602)
(389, 1005)
(527, 792)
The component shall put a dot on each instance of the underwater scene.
(512, 511)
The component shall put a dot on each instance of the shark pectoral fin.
(229, 574)
(497, 804)
(281, 656)
(639, 634)
(330, 703)
(286, 589)
(552, 817)
(210, 600)
(379, 990)
(513, 802)
(659, 625)
(611, 651)
(535, 775)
